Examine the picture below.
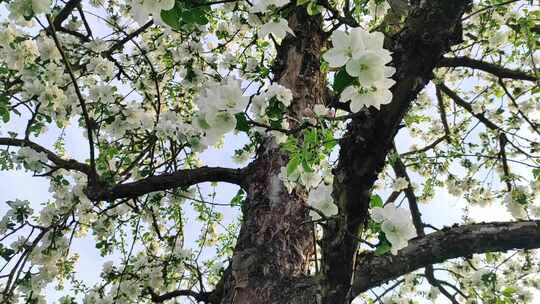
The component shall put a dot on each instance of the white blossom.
(361, 52)
(283, 94)
(142, 9)
(321, 199)
(361, 97)
(364, 58)
(101, 67)
(261, 6)
(400, 184)
(499, 37)
(320, 110)
(41, 6)
(31, 159)
(278, 28)
(479, 276)
(396, 225)
(108, 267)
(516, 202)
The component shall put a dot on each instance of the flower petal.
(336, 57)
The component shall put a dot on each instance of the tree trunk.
(273, 252)
(272, 255)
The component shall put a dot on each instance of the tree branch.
(425, 148)
(491, 68)
(65, 12)
(182, 178)
(68, 164)
(430, 276)
(442, 113)
(467, 106)
(118, 45)
(448, 243)
(198, 296)
(92, 174)
(401, 171)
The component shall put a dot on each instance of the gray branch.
(448, 243)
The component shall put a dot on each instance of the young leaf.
(342, 80)
(376, 201)
(241, 122)
(293, 164)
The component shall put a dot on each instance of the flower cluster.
(218, 105)
(516, 202)
(308, 179)
(321, 199)
(263, 5)
(31, 159)
(396, 225)
(268, 108)
(142, 9)
(18, 212)
(276, 26)
(279, 28)
(21, 10)
(364, 58)
(400, 184)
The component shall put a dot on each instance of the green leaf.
(329, 141)
(172, 17)
(310, 138)
(508, 291)
(342, 80)
(290, 145)
(374, 226)
(184, 18)
(241, 122)
(4, 108)
(6, 252)
(313, 8)
(239, 200)
(293, 164)
(195, 15)
(383, 247)
(306, 166)
(536, 173)
(376, 201)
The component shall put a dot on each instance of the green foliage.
(293, 164)
(239, 200)
(242, 123)
(186, 16)
(313, 8)
(376, 202)
(383, 247)
(275, 112)
(316, 144)
(5, 252)
(342, 80)
(4, 108)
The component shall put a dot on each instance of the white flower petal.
(336, 57)
(340, 40)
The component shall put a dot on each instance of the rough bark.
(273, 248)
(275, 244)
(181, 178)
(449, 243)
